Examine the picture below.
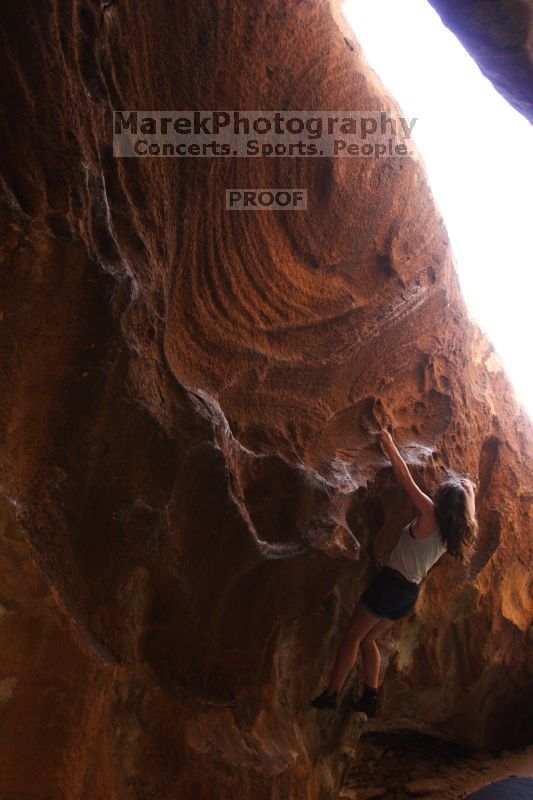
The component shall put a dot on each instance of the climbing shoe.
(368, 702)
(325, 700)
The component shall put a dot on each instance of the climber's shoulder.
(426, 522)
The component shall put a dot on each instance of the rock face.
(191, 492)
(499, 35)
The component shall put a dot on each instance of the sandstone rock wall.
(192, 497)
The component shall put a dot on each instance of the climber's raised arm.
(404, 477)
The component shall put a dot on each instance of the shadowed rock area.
(498, 34)
(192, 497)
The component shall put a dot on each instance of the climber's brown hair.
(455, 516)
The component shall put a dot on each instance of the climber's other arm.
(404, 477)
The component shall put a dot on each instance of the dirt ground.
(398, 764)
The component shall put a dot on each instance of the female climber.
(445, 524)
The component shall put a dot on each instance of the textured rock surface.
(190, 489)
(499, 35)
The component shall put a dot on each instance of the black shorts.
(390, 595)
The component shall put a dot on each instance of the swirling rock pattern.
(191, 489)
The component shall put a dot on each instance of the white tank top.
(414, 557)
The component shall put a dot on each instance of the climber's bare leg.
(361, 622)
(370, 652)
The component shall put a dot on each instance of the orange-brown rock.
(191, 489)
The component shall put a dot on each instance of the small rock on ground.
(424, 786)
(348, 794)
(369, 793)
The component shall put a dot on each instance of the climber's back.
(414, 556)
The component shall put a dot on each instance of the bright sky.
(478, 152)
